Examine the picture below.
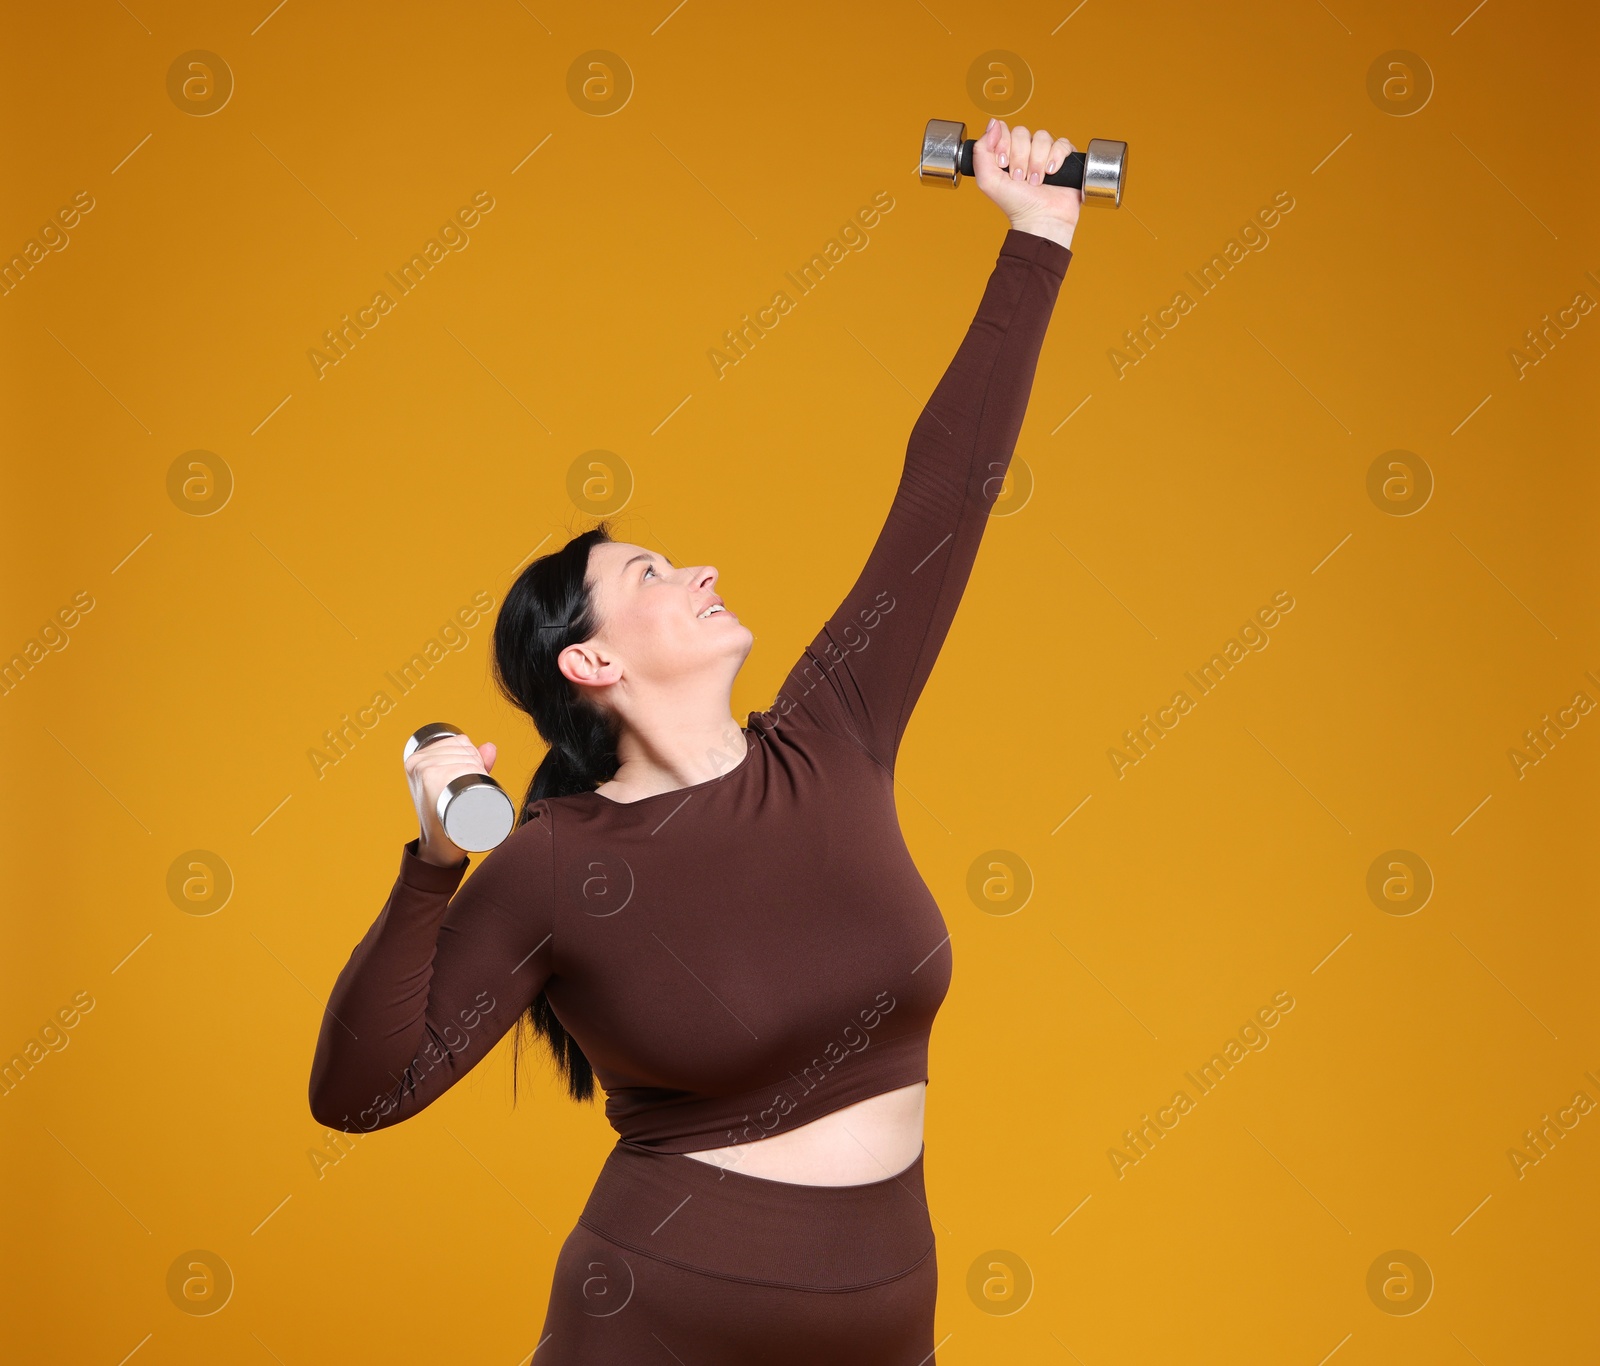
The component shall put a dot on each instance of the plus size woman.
(721, 925)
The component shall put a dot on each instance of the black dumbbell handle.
(1068, 173)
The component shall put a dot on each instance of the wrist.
(439, 858)
(1052, 228)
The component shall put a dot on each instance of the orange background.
(1167, 904)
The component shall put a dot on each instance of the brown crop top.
(742, 956)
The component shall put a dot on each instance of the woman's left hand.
(1010, 165)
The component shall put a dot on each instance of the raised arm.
(436, 981)
(864, 671)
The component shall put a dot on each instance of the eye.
(650, 569)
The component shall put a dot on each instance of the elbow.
(328, 1110)
(333, 1110)
(330, 1118)
(317, 1097)
(327, 1115)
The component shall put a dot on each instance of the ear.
(588, 664)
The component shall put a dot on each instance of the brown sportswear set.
(736, 958)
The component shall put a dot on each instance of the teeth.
(715, 607)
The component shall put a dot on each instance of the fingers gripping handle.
(474, 810)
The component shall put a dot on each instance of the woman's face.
(653, 628)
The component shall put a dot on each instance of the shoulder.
(535, 837)
(520, 865)
(829, 743)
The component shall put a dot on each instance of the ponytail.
(546, 609)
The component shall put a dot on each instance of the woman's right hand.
(428, 770)
(1010, 165)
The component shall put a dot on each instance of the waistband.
(749, 1228)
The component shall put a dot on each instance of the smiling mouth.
(715, 610)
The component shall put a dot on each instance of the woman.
(722, 925)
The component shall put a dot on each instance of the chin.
(742, 639)
(726, 652)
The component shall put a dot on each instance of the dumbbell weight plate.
(426, 735)
(475, 811)
(940, 162)
(1105, 172)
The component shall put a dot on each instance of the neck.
(675, 742)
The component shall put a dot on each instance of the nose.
(703, 576)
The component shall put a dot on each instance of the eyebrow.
(646, 556)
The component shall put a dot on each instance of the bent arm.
(863, 673)
(435, 983)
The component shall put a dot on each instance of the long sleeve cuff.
(416, 872)
(1041, 251)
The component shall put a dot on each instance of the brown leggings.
(675, 1259)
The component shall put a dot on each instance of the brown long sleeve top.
(741, 956)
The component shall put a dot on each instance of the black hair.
(546, 609)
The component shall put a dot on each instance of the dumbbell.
(476, 812)
(1098, 173)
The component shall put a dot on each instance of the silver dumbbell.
(475, 811)
(1098, 173)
